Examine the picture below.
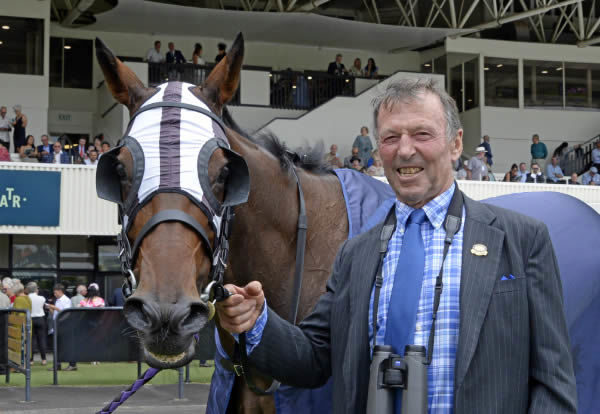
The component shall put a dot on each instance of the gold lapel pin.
(479, 250)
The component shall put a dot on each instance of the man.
(574, 178)
(79, 152)
(4, 128)
(477, 169)
(105, 146)
(38, 319)
(154, 55)
(501, 343)
(331, 158)
(336, 67)
(81, 292)
(174, 56)
(348, 159)
(4, 301)
(553, 172)
(221, 47)
(536, 175)
(596, 155)
(591, 177)
(486, 144)
(539, 152)
(93, 158)
(523, 172)
(58, 156)
(62, 302)
(45, 150)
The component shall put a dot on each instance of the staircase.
(580, 160)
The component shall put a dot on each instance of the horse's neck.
(264, 238)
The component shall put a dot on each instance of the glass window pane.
(4, 250)
(56, 50)
(70, 282)
(439, 66)
(471, 84)
(22, 47)
(427, 67)
(595, 86)
(108, 258)
(76, 252)
(456, 85)
(34, 251)
(77, 63)
(578, 88)
(501, 82)
(44, 279)
(543, 84)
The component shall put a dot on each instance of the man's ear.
(456, 145)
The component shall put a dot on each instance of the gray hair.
(31, 287)
(18, 288)
(80, 289)
(7, 283)
(409, 90)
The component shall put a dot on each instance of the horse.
(173, 262)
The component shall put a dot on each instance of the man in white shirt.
(93, 158)
(4, 128)
(38, 319)
(522, 174)
(477, 168)
(62, 302)
(154, 55)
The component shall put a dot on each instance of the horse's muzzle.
(166, 330)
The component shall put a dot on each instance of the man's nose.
(406, 148)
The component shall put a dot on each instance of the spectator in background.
(461, 174)
(5, 127)
(486, 144)
(356, 69)
(79, 152)
(536, 175)
(523, 172)
(19, 124)
(513, 175)
(574, 179)
(92, 298)
(197, 55)
(553, 172)
(4, 154)
(539, 152)
(105, 146)
(62, 302)
(22, 301)
(117, 297)
(7, 285)
(93, 158)
(81, 291)
(331, 158)
(38, 319)
(477, 168)
(356, 164)
(364, 145)
(45, 150)
(221, 47)
(98, 143)
(347, 160)
(336, 67)
(591, 177)
(371, 69)
(174, 56)
(27, 151)
(154, 55)
(596, 155)
(376, 170)
(4, 300)
(60, 157)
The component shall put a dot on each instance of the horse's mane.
(309, 158)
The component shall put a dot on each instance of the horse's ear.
(223, 81)
(123, 84)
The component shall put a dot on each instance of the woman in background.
(513, 175)
(356, 69)
(19, 124)
(371, 69)
(28, 152)
(92, 298)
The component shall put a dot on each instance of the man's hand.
(239, 312)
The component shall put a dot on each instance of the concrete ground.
(150, 399)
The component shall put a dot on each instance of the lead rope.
(137, 384)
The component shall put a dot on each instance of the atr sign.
(29, 198)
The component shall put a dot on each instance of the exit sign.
(64, 117)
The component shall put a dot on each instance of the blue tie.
(406, 291)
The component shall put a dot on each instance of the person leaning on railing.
(596, 155)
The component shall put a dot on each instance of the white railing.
(81, 211)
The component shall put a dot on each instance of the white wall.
(251, 118)
(339, 120)
(30, 91)
(471, 121)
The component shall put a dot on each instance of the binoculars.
(391, 373)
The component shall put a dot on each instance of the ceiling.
(139, 16)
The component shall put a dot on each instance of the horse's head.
(173, 176)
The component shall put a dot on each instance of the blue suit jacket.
(178, 58)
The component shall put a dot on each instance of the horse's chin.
(162, 361)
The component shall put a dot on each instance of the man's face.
(554, 161)
(480, 155)
(535, 139)
(598, 144)
(57, 148)
(83, 291)
(338, 58)
(355, 151)
(356, 164)
(93, 156)
(417, 157)
(333, 149)
(105, 147)
(58, 294)
(44, 140)
(3, 111)
(523, 167)
(82, 142)
(157, 47)
(171, 47)
(574, 177)
(535, 168)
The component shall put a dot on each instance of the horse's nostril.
(137, 314)
(197, 316)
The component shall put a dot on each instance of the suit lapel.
(478, 277)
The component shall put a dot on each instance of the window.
(456, 89)
(501, 82)
(76, 252)
(3, 251)
(439, 66)
(543, 83)
(44, 279)
(108, 258)
(71, 63)
(21, 45)
(471, 75)
(582, 85)
(34, 251)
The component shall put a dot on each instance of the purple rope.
(114, 404)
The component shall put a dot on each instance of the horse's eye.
(222, 178)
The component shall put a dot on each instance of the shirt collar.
(435, 210)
